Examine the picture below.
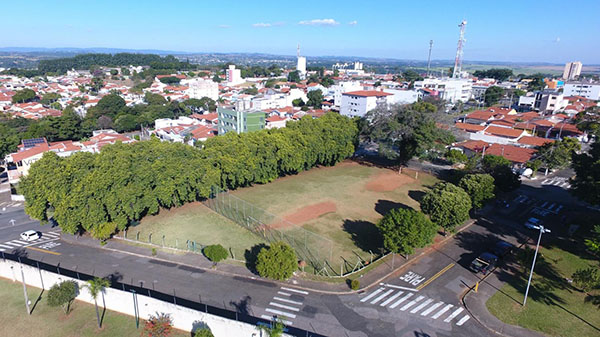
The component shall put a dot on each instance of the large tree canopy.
(403, 230)
(480, 188)
(586, 183)
(448, 205)
(104, 192)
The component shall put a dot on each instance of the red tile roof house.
(518, 156)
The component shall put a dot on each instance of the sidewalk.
(195, 260)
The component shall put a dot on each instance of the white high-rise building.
(301, 64)
(234, 76)
(588, 89)
(199, 87)
(450, 89)
(572, 70)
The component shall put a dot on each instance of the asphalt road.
(421, 299)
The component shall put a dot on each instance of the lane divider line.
(438, 274)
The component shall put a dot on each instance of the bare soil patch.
(307, 213)
(387, 181)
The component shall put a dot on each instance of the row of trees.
(500, 74)
(102, 193)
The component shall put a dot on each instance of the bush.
(204, 332)
(63, 294)
(215, 253)
(456, 156)
(160, 325)
(153, 251)
(277, 261)
(354, 284)
(586, 279)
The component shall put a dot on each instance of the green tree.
(491, 162)
(126, 123)
(587, 278)
(411, 76)
(315, 98)
(294, 76)
(62, 295)
(480, 187)
(493, 95)
(327, 81)
(456, 156)
(159, 325)
(217, 78)
(298, 102)
(278, 261)
(97, 286)
(495, 73)
(403, 230)
(586, 183)
(203, 332)
(170, 80)
(108, 105)
(49, 98)
(275, 329)
(447, 205)
(250, 91)
(23, 96)
(558, 154)
(593, 242)
(215, 253)
(155, 99)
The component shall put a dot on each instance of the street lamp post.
(542, 231)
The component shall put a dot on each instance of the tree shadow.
(364, 234)
(250, 256)
(416, 195)
(114, 277)
(242, 307)
(383, 207)
(594, 299)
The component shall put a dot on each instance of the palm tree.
(97, 286)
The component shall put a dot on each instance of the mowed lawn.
(46, 321)
(554, 307)
(198, 223)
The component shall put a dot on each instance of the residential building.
(587, 89)
(450, 89)
(401, 96)
(240, 121)
(358, 103)
(549, 101)
(338, 89)
(234, 76)
(199, 87)
(572, 70)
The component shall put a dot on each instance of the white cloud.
(261, 24)
(353, 23)
(319, 22)
(224, 26)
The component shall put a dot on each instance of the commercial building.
(589, 90)
(572, 70)
(240, 121)
(450, 89)
(358, 103)
(199, 87)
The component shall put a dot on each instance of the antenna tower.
(429, 58)
(459, 50)
(298, 51)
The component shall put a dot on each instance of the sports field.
(339, 204)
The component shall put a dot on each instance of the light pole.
(542, 231)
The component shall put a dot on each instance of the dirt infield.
(387, 181)
(307, 213)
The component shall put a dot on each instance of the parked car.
(502, 248)
(30, 235)
(484, 263)
(533, 223)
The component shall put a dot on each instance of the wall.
(117, 300)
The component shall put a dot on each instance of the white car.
(30, 235)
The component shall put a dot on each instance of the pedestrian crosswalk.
(10, 204)
(15, 244)
(557, 181)
(413, 303)
(285, 305)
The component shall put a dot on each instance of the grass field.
(554, 307)
(46, 321)
(341, 204)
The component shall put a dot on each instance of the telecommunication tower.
(459, 50)
(429, 58)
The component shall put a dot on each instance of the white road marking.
(397, 287)
(5, 246)
(382, 296)
(282, 313)
(401, 300)
(275, 304)
(51, 234)
(21, 242)
(557, 183)
(441, 312)
(364, 299)
(544, 204)
(12, 243)
(270, 318)
(463, 320)
(411, 303)
(431, 309)
(545, 181)
(286, 300)
(284, 294)
(551, 206)
(295, 290)
(389, 300)
(421, 306)
(454, 314)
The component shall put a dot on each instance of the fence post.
(163, 240)
(137, 236)
(150, 238)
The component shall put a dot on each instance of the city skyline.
(509, 33)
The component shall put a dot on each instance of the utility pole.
(542, 230)
(25, 291)
(429, 58)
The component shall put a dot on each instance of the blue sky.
(525, 30)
